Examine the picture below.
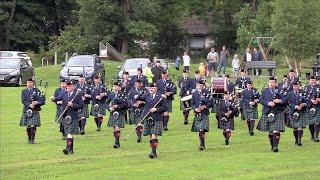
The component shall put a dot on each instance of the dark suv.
(88, 65)
(15, 71)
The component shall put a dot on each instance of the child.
(202, 69)
(235, 65)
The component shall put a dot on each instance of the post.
(55, 58)
(67, 56)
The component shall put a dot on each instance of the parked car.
(88, 65)
(15, 71)
(131, 65)
(15, 54)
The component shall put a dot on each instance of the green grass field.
(178, 155)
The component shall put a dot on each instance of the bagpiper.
(227, 110)
(272, 119)
(86, 92)
(185, 85)
(59, 92)
(313, 102)
(143, 79)
(283, 87)
(126, 88)
(71, 104)
(136, 107)
(241, 82)
(201, 104)
(117, 105)
(154, 108)
(99, 95)
(167, 88)
(298, 115)
(32, 100)
(249, 104)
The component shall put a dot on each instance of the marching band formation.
(148, 106)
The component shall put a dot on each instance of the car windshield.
(134, 64)
(80, 61)
(9, 64)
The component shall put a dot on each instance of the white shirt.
(186, 60)
(248, 56)
(213, 56)
(235, 63)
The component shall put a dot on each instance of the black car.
(87, 65)
(15, 71)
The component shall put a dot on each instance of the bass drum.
(219, 85)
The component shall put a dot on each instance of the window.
(197, 42)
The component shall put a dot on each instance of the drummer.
(241, 82)
(185, 85)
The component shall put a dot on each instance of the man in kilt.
(292, 77)
(136, 107)
(59, 92)
(72, 103)
(185, 85)
(272, 119)
(117, 105)
(313, 101)
(167, 88)
(297, 110)
(99, 94)
(241, 82)
(201, 105)
(284, 89)
(126, 88)
(32, 100)
(155, 106)
(249, 104)
(226, 113)
(85, 90)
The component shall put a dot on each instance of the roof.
(196, 26)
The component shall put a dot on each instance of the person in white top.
(212, 59)
(186, 61)
(247, 58)
(235, 65)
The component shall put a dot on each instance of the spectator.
(223, 60)
(177, 63)
(257, 56)
(212, 59)
(235, 65)
(247, 58)
(202, 69)
(148, 73)
(186, 61)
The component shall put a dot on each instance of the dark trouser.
(259, 71)
(223, 64)
(212, 66)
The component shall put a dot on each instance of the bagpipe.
(299, 100)
(277, 108)
(230, 106)
(204, 100)
(137, 110)
(117, 100)
(98, 101)
(313, 95)
(36, 96)
(253, 96)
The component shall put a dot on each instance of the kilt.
(133, 119)
(155, 129)
(315, 119)
(200, 122)
(226, 125)
(102, 110)
(169, 105)
(34, 120)
(84, 112)
(253, 115)
(58, 112)
(72, 128)
(116, 122)
(301, 122)
(277, 125)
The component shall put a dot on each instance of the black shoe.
(313, 139)
(64, 137)
(82, 133)
(275, 149)
(251, 133)
(116, 146)
(165, 129)
(65, 151)
(316, 139)
(139, 140)
(299, 144)
(152, 155)
(201, 148)
(227, 142)
(98, 128)
(185, 122)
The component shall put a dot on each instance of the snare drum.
(219, 85)
(186, 102)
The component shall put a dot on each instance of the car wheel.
(19, 82)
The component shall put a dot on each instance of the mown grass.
(246, 157)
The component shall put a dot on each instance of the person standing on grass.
(186, 61)
(117, 105)
(155, 106)
(84, 115)
(224, 54)
(32, 100)
(248, 58)
(212, 59)
(72, 102)
(235, 65)
(257, 56)
(201, 105)
(59, 92)
(272, 119)
(298, 112)
(226, 113)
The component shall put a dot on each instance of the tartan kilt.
(133, 119)
(315, 119)
(169, 106)
(200, 122)
(228, 125)
(301, 122)
(251, 115)
(102, 110)
(58, 112)
(72, 128)
(116, 122)
(84, 112)
(33, 120)
(277, 125)
(155, 129)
